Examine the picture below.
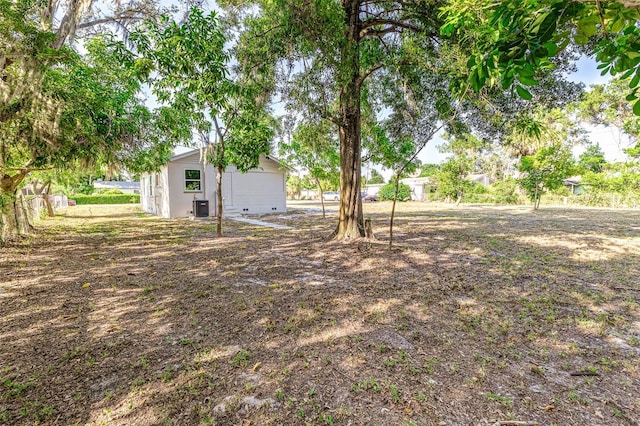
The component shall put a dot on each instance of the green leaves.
(524, 93)
(520, 37)
(189, 59)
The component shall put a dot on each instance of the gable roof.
(185, 155)
(197, 151)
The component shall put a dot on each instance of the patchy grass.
(110, 316)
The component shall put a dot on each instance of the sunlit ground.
(478, 315)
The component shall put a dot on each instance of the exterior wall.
(482, 179)
(259, 191)
(180, 200)
(373, 189)
(154, 196)
(58, 201)
(162, 193)
(146, 193)
(419, 188)
(129, 190)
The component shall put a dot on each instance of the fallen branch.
(584, 373)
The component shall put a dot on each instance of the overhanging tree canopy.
(328, 51)
(512, 40)
(59, 109)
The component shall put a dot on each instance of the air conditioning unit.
(201, 208)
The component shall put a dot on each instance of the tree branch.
(368, 72)
(110, 19)
(392, 26)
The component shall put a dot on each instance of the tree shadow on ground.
(475, 317)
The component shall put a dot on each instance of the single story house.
(124, 187)
(419, 186)
(574, 185)
(185, 184)
(481, 178)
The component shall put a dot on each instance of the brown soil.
(478, 316)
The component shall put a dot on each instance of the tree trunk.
(9, 220)
(22, 216)
(13, 216)
(47, 202)
(393, 210)
(43, 193)
(220, 167)
(321, 196)
(351, 221)
(220, 204)
(368, 229)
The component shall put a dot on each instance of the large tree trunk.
(13, 215)
(14, 218)
(351, 221)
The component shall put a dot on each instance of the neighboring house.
(372, 189)
(574, 185)
(171, 192)
(480, 178)
(419, 186)
(124, 187)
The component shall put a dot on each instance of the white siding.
(181, 200)
(146, 193)
(163, 194)
(260, 191)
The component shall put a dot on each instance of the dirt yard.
(479, 316)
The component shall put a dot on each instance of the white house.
(419, 187)
(481, 178)
(171, 192)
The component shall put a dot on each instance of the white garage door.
(258, 192)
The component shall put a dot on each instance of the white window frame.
(186, 180)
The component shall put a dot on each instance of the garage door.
(258, 192)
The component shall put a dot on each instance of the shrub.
(476, 197)
(107, 199)
(387, 192)
(477, 188)
(506, 192)
(106, 191)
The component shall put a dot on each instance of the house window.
(192, 181)
(150, 185)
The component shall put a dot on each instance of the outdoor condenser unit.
(201, 208)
